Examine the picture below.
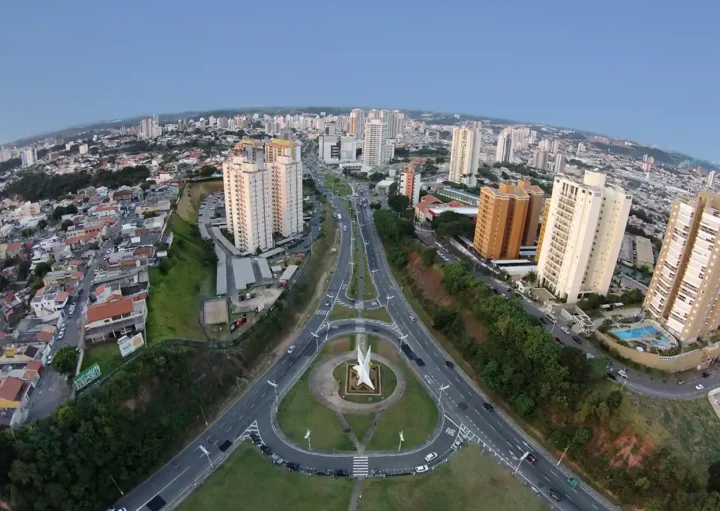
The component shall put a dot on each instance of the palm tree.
(530, 278)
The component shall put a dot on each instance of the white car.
(421, 469)
(49, 361)
(566, 330)
(699, 387)
(291, 349)
(431, 456)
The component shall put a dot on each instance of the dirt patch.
(627, 450)
(340, 345)
(429, 280)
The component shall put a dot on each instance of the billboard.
(89, 375)
(129, 345)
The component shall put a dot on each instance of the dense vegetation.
(118, 430)
(554, 388)
(36, 186)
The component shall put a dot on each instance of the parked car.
(431, 456)
(705, 375)
(576, 339)
(421, 469)
(699, 387)
(557, 340)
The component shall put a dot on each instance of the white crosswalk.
(360, 466)
(322, 313)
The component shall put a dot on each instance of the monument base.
(353, 388)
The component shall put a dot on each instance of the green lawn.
(379, 314)
(360, 423)
(249, 480)
(337, 185)
(691, 427)
(471, 481)
(299, 411)
(176, 297)
(415, 415)
(341, 312)
(369, 291)
(107, 354)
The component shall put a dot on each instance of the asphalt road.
(463, 415)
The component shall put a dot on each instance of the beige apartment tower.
(507, 219)
(581, 236)
(684, 293)
(465, 156)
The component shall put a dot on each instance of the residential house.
(115, 318)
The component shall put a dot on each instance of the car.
(531, 459)
(291, 349)
(565, 329)
(680, 382)
(421, 469)
(449, 364)
(611, 375)
(488, 407)
(62, 334)
(543, 320)
(576, 339)
(699, 387)
(431, 456)
(327, 303)
(705, 375)
(412, 318)
(557, 340)
(50, 359)
(554, 494)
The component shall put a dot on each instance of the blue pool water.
(640, 332)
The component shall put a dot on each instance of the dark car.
(449, 364)
(577, 339)
(531, 459)
(293, 466)
(611, 376)
(488, 407)
(557, 340)
(555, 495)
(705, 375)
(543, 320)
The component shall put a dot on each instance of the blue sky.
(644, 70)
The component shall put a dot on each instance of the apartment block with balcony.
(684, 293)
(581, 236)
(508, 218)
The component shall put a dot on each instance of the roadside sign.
(86, 377)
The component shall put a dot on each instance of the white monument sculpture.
(362, 369)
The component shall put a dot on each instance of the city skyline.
(619, 86)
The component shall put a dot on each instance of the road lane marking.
(163, 488)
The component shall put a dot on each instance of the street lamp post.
(563, 456)
(274, 386)
(388, 300)
(207, 453)
(521, 460)
(117, 486)
(442, 388)
(203, 415)
(307, 437)
(317, 341)
(402, 439)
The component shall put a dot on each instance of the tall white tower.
(465, 156)
(375, 151)
(504, 149)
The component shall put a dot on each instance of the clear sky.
(645, 70)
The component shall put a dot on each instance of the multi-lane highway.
(463, 416)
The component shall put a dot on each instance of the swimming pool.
(642, 333)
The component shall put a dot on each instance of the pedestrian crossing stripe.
(360, 466)
(322, 313)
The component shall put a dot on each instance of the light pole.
(402, 439)
(274, 386)
(307, 437)
(442, 388)
(521, 460)
(402, 338)
(207, 453)
(317, 341)
(553, 327)
(117, 486)
(388, 300)
(563, 455)
(203, 414)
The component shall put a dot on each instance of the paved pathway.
(324, 388)
(357, 494)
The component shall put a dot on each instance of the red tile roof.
(10, 388)
(110, 309)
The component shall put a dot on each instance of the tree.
(42, 269)
(61, 211)
(530, 277)
(42, 224)
(150, 214)
(429, 256)
(392, 189)
(376, 177)
(65, 360)
(714, 477)
(398, 203)
(26, 233)
(66, 224)
(208, 170)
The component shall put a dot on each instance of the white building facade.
(375, 152)
(465, 156)
(581, 236)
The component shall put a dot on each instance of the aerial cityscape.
(342, 306)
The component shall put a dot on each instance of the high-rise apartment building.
(559, 166)
(544, 145)
(277, 147)
(150, 127)
(248, 197)
(465, 156)
(287, 190)
(540, 159)
(555, 148)
(410, 182)
(508, 218)
(504, 148)
(375, 151)
(581, 235)
(357, 123)
(395, 121)
(684, 293)
(29, 157)
(711, 179)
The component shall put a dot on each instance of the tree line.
(554, 388)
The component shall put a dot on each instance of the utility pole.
(563, 455)
(317, 341)
(207, 453)
(274, 386)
